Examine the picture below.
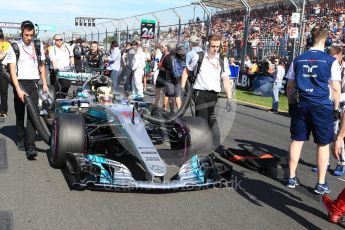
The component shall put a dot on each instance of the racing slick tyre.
(68, 135)
(199, 139)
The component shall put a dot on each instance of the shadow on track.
(9, 131)
(262, 193)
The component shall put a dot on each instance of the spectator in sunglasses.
(61, 57)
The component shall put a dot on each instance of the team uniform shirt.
(27, 65)
(139, 60)
(315, 70)
(342, 71)
(94, 60)
(60, 56)
(4, 50)
(6, 53)
(210, 72)
(115, 59)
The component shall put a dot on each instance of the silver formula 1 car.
(102, 140)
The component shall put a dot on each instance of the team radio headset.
(36, 50)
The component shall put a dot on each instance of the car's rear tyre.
(68, 135)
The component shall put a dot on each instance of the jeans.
(128, 79)
(115, 78)
(275, 95)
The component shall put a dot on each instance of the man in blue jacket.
(313, 92)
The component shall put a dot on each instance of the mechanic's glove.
(336, 114)
(228, 104)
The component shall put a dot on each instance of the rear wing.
(72, 76)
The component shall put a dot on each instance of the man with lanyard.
(207, 85)
(4, 48)
(25, 74)
(61, 58)
(311, 75)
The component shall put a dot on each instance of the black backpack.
(199, 63)
(37, 45)
(78, 51)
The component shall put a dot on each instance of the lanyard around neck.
(32, 55)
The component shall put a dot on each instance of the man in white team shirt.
(138, 67)
(25, 74)
(208, 84)
(61, 57)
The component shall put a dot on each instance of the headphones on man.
(210, 37)
(26, 24)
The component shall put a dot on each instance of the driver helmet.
(104, 95)
(100, 81)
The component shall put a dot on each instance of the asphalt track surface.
(35, 196)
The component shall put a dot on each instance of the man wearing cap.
(4, 48)
(194, 42)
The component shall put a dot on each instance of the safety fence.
(269, 31)
(172, 25)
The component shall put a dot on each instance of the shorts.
(161, 79)
(172, 90)
(317, 119)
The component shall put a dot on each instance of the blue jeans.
(275, 95)
(128, 79)
(115, 78)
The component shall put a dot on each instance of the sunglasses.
(59, 39)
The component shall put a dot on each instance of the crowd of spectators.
(268, 30)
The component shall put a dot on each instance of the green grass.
(246, 96)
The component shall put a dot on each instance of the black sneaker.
(3, 115)
(31, 154)
(20, 145)
(272, 111)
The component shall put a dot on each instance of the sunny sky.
(62, 13)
